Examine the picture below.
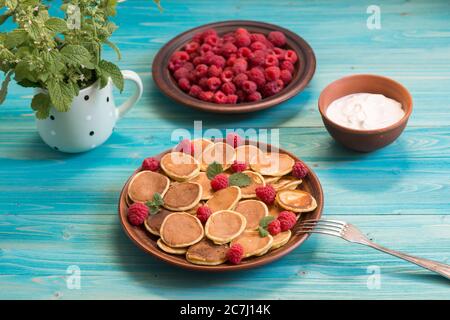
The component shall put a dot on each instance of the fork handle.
(440, 268)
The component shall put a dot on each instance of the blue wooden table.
(60, 210)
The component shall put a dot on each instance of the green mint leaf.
(213, 170)
(264, 222)
(61, 95)
(23, 71)
(40, 101)
(76, 55)
(239, 179)
(4, 87)
(15, 38)
(154, 205)
(56, 25)
(263, 232)
(157, 199)
(113, 71)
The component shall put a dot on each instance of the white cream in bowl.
(365, 111)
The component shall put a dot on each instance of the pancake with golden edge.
(287, 182)
(296, 200)
(206, 252)
(181, 229)
(253, 244)
(172, 250)
(273, 164)
(200, 145)
(248, 153)
(223, 226)
(154, 221)
(280, 239)
(219, 152)
(180, 166)
(224, 199)
(202, 179)
(253, 211)
(256, 181)
(182, 196)
(145, 184)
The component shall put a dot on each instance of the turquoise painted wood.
(58, 210)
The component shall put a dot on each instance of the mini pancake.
(296, 200)
(193, 211)
(219, 152)
(182, 196)
(224, 199)
(281, 239)
(166, 248)
(253, 243)
(154, 221)
(274, 210)
(206, 252)
(247, 153)
(256, 181)
(225, 225)
(180, 166)
(271, 180)
(202, 179)
(273, 164)
(199, 146)
(180, 229)
(288, 182)
(253, 211)
(145, 184)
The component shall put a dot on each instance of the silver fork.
(350, 233)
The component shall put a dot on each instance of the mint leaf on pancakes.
(239, 179)
(213, 170)
(154, 205)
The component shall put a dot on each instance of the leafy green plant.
(59, 55)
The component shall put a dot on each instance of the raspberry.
(228, 88)
(299, 170)
(241, 95)
(201, 70)
(228, 48)
(220, 97)
(204, 48)
(244, 52)
(184, 84)
(203, 82)
(195, 91)
(249, 86)
(197, 37)
(214, 71)
(287, 65)
(277, 38)
(150, 164)
(290, 56)
(242, 40)
(258, 58)
(219, 182)
(206, 96)
(229, 37)
(287, 220)
(272, 73)
(267, 194)
(235, 253)
(240, 31)
(240, 65)
(231, 60)
(257, 37)
(213, 83)
(191, 47)
(258, 45)
(271, 60)
(234, 140)
(227, 76)
(279, 53)
(218, 61)
(208, 57)
(238, 166)
(181, 73)
(273, 87)
(189, 66)
(175, 65)
(285, 76)
(137, 213)
(256, 74)
(198, 60)
(208, 32)
(232, 99)
(203, 213)
(254, 96)
(240, 79)
(179, 56)
(212, 40)
(185, 146)
(274, 227)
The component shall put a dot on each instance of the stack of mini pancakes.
(184, 185)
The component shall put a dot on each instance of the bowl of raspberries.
(234, 66)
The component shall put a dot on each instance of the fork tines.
(330, 227)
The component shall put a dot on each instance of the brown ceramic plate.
(147, 242)
(303, 74)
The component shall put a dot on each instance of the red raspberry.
(203, 82)
(137, 213)
(238, 166)
(203, 213)
(218, 61)
(184, 84)
(208, 32)
(258, 58)
(208, 57)
(229, 37)
(287, 220)
(273, 87)
(234, 140)
(185, 146)
(189, 66)
(228, 88)
(180, 56)
(258, 37)
(299, 170)
(220, 97)
(242, 31)
(212, 40)
(254, 96)
(213, 83)
(272, 73)
(249, 86)
(285, 76)
(242, 40)
(240, 65)
(235, 253)
(198, 60)
(241, 95)
(244, 52)
(201, 70)
(232, 99)
(204, 48)
(274, 227)
(271, 60)
(227, 76)
(240, 79)
(197, 37)
(181, 73)
(258, 45)
(195, 91)
(231, 59)
(287, 65)
(175, 65)
(214, 71)
(191, 47)
(291, 56)
(277, 38)
(150, 164)
(206, 96)
(256, 74)
(279, 53)
(219, 182)
(228, 48)
(267, 194)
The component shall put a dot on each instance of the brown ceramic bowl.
(147, 242)
(367, 140)
(305, 68)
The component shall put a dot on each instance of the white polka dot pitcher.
(90, 120)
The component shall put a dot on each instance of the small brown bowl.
(305, 68)
(365, 140)
(147, 242)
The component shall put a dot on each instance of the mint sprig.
(239, 179)
(263, 224)
(154, 205)
(213, 170)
